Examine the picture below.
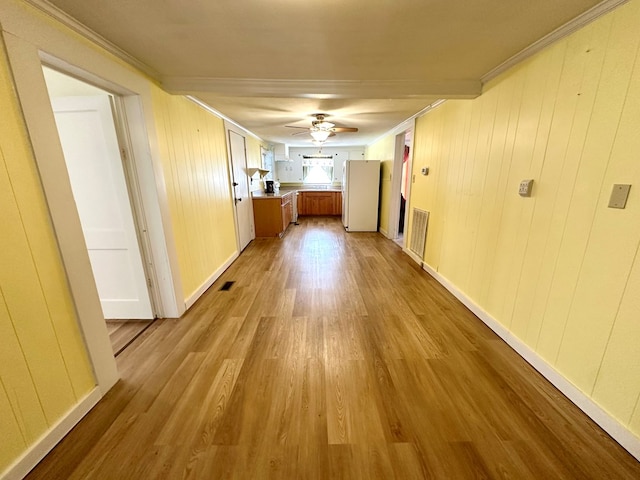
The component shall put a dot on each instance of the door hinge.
(149, 284)
(123, 152)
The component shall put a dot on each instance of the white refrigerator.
(360, 191)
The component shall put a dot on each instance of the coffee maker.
(268, 186)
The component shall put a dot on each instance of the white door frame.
(26, 61)
(129, 164)
(229, 127)
(396, 185)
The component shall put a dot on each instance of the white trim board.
(609, 424)
(413, 256)
(36, 452)
(209, 281)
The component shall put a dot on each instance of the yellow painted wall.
(254, 158)
(193, 151)
(383, 150)
(559, 270)
(44, 368)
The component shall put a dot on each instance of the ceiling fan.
(320, 129)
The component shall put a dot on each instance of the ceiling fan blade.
(300, 133)
(344, 129)
(292, 126)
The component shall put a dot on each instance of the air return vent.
(419, 225)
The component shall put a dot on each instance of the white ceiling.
(368, 64)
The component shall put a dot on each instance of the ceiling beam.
(324, 89)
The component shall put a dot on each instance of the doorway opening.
(103, 190)
(401, 187)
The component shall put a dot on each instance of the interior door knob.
(235, 184)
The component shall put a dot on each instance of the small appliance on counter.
(269, 186)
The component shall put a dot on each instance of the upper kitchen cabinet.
(338, 163)
(281, 152)
(289, 172)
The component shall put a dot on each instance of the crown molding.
(73, 24)
(567, 29)
(409, 123)
(372, 89)
(212, 110)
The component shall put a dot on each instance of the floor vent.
(419, 226)
(226, 286)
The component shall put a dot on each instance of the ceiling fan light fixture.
(319, 134)
(322, 125)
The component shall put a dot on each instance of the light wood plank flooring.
(123, 332)
(332, 356)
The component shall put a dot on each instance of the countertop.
(284, 191)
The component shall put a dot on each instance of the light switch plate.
(525, 188)
(619, 195)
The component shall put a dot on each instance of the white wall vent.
(419, 226)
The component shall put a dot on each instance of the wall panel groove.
(559, 270)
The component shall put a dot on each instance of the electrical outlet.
(525, 188)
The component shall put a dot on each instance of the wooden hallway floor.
(331, 356)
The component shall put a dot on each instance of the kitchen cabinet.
(289, 172)
(281, 152)
(319, 203)
(338, 162)
(272, 214)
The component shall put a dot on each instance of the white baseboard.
(209, 281)
(413, 256)
(609, 424)
(23, 465)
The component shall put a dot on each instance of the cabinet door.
(324, 204)
(289, 172)
(267, 217)
(337, 203)
(320, 203)
(296, 170)
(282, 172)
(338, 162)
(287, 215)
(303, 207)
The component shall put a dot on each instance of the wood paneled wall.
(384, 150)
(559, 270)
(44, 368)
(192, 146)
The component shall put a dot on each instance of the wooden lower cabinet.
(319, 203)
(272, 215)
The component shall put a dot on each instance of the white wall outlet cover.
(524, 190)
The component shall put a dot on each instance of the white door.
(88, 137)
(244, 210)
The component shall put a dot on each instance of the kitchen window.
(317, 170)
